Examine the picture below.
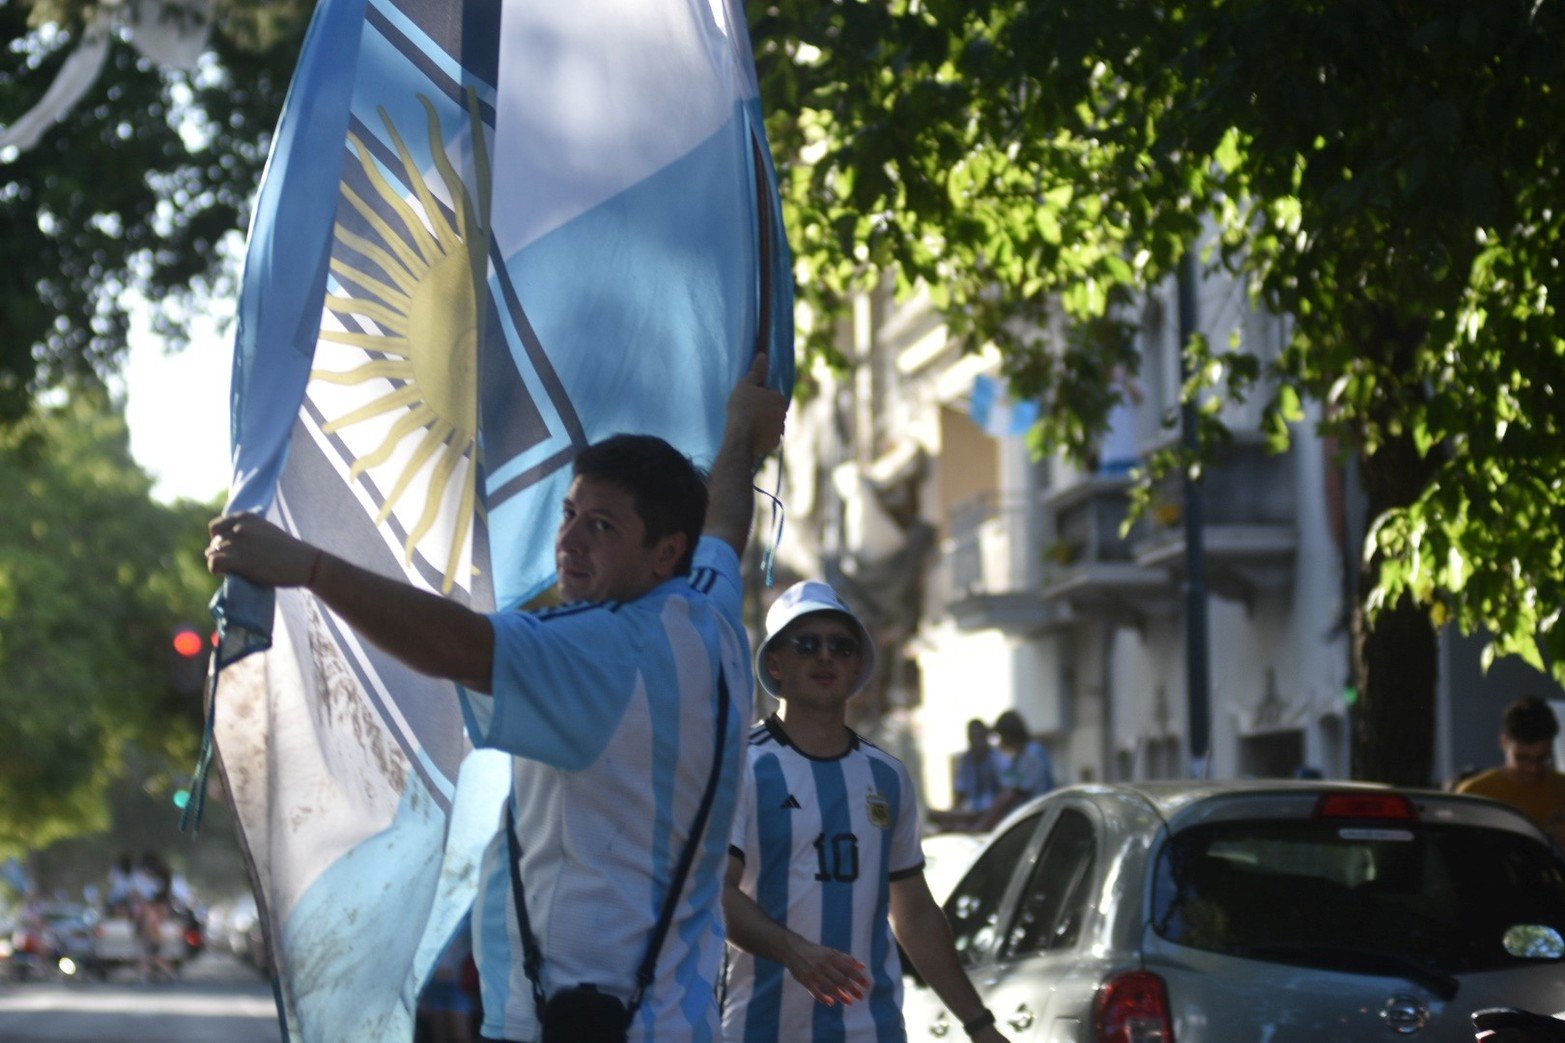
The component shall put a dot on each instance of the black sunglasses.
(840, 646)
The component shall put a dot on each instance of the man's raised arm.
(429, 633)
(756, 414)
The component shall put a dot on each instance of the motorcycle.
(28, 953)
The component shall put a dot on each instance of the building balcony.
(989, 571)
(1091, 565)
(1250, 532)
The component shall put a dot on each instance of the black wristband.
(982, 1021)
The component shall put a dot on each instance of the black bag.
(582, 1014)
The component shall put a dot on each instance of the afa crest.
(878, 809)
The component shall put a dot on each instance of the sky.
(177, 410)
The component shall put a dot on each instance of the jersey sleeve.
(562, 680)
(907, 848)
(965, 784)
(714, 573)
(742, 842)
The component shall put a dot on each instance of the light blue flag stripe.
(289, 246)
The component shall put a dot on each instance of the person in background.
(122, 886)
(1527, 780)
(980, 773)
(1029, 774)
(826, 865)
(445, 1010)
(151, 883)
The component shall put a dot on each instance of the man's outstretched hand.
(250, 546)
(756, 413)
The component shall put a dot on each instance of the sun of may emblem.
(415, 315)
(878, 809)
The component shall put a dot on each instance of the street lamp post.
(1197, 667)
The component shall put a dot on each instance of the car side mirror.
(1531, 941)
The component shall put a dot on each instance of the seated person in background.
(1527, 780)
(980, 772)
(122, 886)
(1030, 774)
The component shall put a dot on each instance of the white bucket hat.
(803, 599)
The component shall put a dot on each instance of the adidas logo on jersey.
(791, 803)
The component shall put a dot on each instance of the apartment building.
(994, 580)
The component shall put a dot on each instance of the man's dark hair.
(1010, 727)
(669, 491)
(1529, 719)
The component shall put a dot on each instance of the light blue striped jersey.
(821, 842)
(610, 712)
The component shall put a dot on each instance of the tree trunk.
(1396, 656)
(1393, 724)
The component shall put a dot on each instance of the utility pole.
(1197, 666)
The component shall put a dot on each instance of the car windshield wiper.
(1364, 961)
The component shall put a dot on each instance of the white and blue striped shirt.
(821, 841)
(610, 713)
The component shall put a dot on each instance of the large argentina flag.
(489, 234)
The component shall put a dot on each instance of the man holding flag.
(490, 236)
(624, 713)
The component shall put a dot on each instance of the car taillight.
(1133, 1008)
(1366, 805)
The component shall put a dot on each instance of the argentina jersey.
(609, 710)
(821, 840)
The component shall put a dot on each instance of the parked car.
(47, 940)
(242, 933)
(946, 858)
(116, 943)
(1211, 912)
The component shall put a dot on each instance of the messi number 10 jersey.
(821, 841)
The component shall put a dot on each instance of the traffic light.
(188, 660)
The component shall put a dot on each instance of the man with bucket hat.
(826, 867)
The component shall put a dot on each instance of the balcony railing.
(990, 567)
(1087, 521)
(1250, 536)
(1091, 564)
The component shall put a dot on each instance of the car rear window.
(1312, 891)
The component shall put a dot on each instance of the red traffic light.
(188, 643)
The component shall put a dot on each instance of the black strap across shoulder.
(532, 958)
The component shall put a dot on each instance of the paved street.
(217, 998)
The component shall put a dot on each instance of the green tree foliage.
(140, 187)
(1386, 172)
(93, 577)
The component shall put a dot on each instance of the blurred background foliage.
(1384, 172)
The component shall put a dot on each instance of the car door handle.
(940, 1026)
(1022, 1020)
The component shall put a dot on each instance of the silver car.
(1254, 912)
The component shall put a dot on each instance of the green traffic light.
(181, 798)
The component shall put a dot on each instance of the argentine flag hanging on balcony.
(489, 234)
